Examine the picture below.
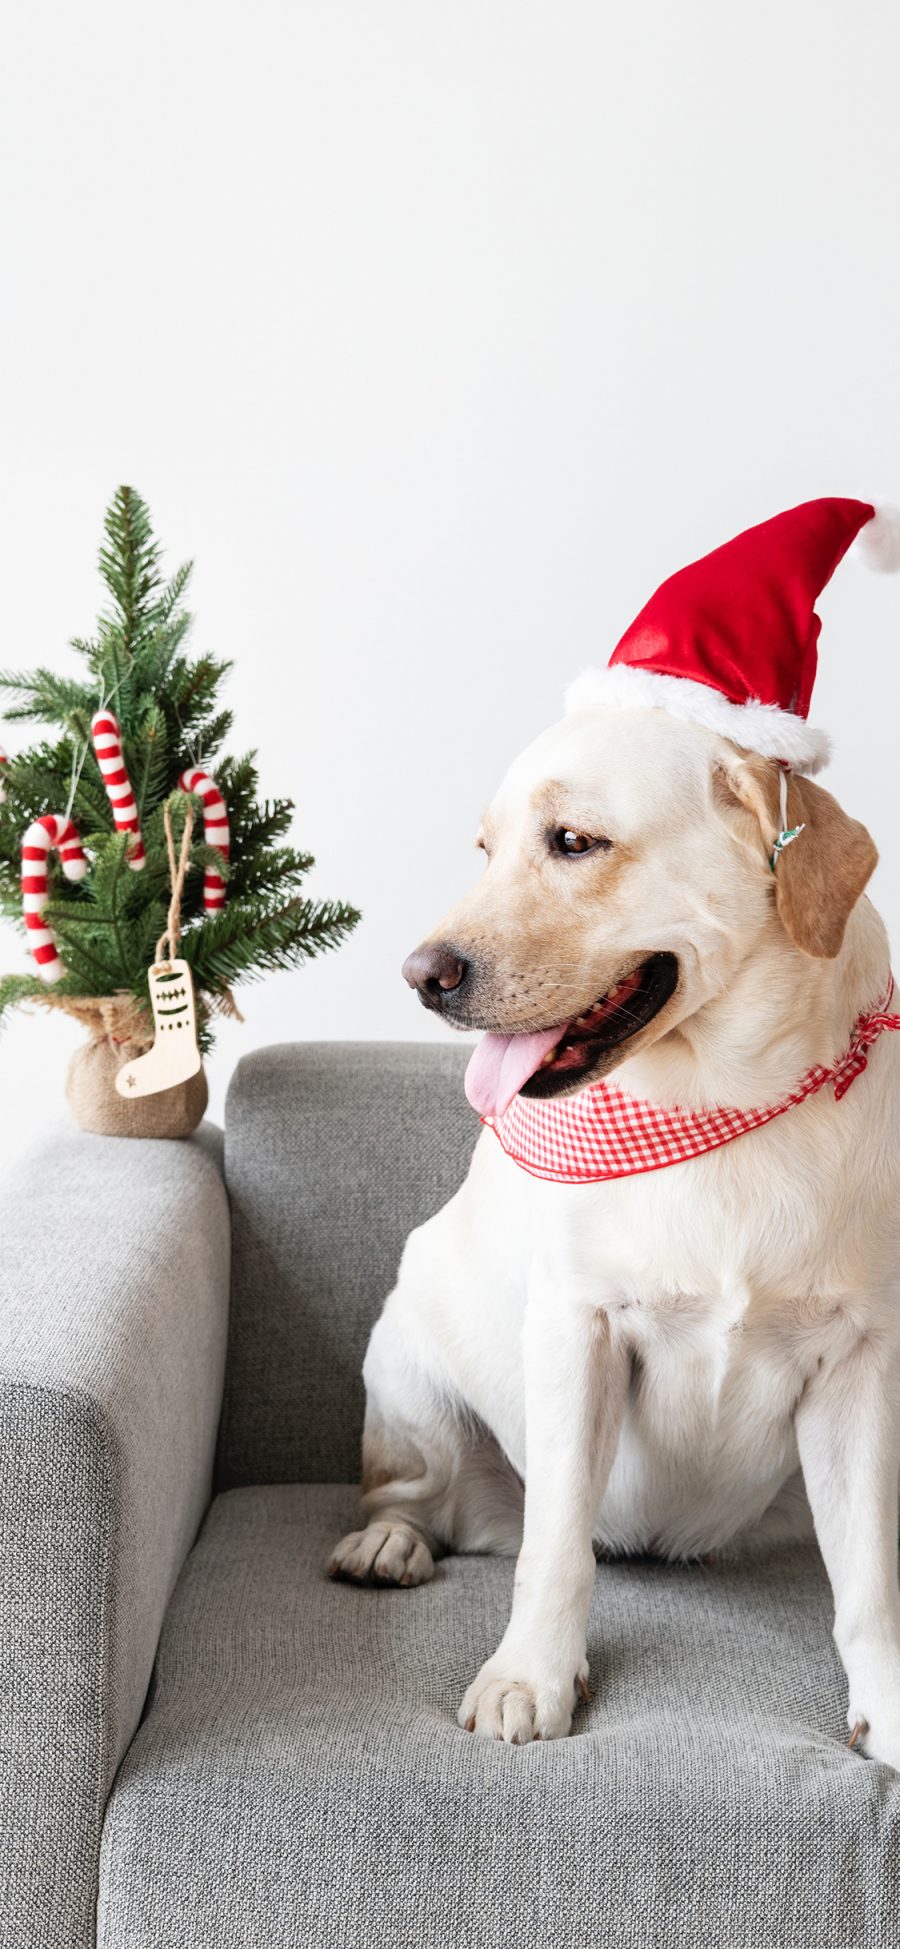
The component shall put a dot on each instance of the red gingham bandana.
(603, 1133)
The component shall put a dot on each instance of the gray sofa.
(204, 1744)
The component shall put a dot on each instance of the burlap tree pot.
(121, 1032)
(95, 1105)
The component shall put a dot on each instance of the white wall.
(438, 335)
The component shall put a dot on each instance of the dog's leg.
(848, 1431)
(576, 1383)
(432, 1479)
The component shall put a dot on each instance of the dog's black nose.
(435, 970)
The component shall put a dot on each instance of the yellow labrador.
(696, 1355)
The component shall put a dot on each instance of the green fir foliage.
(168, 708)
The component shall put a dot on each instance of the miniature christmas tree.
(242, 912)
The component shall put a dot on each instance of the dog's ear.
(820, 875)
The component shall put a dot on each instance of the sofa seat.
(299, 1777)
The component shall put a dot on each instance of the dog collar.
(603, 1133)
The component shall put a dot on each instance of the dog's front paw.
(384, 1553)
(878, 1731)
(879, 1737)
(874, 1709)
(519, 1698)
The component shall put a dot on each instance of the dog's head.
(628, 878)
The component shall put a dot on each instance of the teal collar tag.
(784, 839)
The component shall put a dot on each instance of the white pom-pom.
(878, 543)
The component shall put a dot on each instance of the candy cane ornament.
(51, 834)
(216, 832)
(107, 740)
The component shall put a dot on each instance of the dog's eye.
(564, 840)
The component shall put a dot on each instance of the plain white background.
(438, 335)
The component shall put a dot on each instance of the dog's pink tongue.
(500, 1064)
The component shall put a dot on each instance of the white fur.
(877, 545)
(758, 727)
(690, 1360)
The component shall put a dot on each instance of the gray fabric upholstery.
(113, 1321)
(300, 1780)
(333, 1152)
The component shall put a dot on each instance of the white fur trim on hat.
(765, 728)
(878, 543)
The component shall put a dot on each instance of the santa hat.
(730, 641)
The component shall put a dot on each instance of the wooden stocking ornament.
(174, 1056)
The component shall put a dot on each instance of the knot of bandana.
(603, 1133)
(868, 1029)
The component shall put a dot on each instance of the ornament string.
(77, 769)
(787, 833)
(172, 934)
(192, 749)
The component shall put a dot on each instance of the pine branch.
(204, 856)
(89, 972)
(173, 592)
(153, 659)
(102, 882)
(193, 690)
(149, 755)
(129, 563)
(262, 873)
(212, 736)
(18, 988)
(261, 825)
(243, 944)
(45, 697)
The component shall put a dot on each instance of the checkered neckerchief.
(603, 1133)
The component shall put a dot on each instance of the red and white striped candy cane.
(108, 748)
(216, 832)
(52, 834)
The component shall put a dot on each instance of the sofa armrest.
(114, 1276)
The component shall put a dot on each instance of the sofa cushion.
(300, 1778)
(333, 1152)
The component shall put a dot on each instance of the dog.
(681, 1360)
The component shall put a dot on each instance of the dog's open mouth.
(554, 1061)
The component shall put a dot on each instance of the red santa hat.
(730, 641)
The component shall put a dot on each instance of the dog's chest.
(724, 1326)
(724, 1288)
